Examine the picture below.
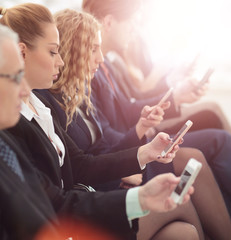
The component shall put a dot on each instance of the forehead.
(97, 40)
(51, 34)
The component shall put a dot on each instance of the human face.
(96, 56)
(120, 33)
(11, 91)
(42, 63)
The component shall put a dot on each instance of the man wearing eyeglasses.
(11, 76)
(30, 202)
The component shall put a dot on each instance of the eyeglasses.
(17, 78)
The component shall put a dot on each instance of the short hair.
(6, 34)
(120, 9)
(27, 20)
(77, 31)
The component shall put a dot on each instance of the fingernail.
(170, 139)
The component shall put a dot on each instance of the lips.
(55, 76)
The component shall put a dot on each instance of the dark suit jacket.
(28, 206)
(25, 208)
(78, 167)
(115, 111)
(125, 83)
(80, 134)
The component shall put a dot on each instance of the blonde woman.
(71, 24)
(39, 135)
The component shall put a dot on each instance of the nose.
(24, 89)
(59, 61)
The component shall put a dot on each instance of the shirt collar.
(37, 104)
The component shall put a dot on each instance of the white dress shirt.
(45, 121)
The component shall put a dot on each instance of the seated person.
(40, 142)
(33, 208)
(117, 114)
(206, 114)
(77, 129)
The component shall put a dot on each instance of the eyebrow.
(57, 45)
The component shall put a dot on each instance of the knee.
(189, 232)
(177, 231)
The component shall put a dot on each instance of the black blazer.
(25, 207)
(78, 167)
(28, 206)
(113, 107)
(80, 134)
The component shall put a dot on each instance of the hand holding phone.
(187, 178)
(177, 137)
(165, 97)
(205, 78)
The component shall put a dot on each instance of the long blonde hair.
(77, 31)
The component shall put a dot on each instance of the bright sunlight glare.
(177, 31)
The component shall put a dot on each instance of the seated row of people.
(52, 152)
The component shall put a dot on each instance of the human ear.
(23, 48)
(108, 22)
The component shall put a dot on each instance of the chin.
(10, 123)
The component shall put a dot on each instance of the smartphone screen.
(183, 181)
(177, 137)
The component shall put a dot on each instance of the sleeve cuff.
(142, 167)
(133, 208)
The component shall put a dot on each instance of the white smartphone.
(177, 137)
(165, 97)
(205, 78)
(187, 178)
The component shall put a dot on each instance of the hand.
(185, 92)
(155, 194)
(133, 180)
(152, 150)
(150, 117)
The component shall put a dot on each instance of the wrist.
(141, 158)
(140, 129)
(141, 195)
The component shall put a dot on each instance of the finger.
(164, 137)
(170, 204)
(155, 117)
(186, 198)
(166, 159)
(165, 105)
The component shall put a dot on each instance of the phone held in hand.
(205, 78)
(165, 97)
(177, 137)
(187, 178)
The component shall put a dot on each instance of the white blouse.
(45, 121)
